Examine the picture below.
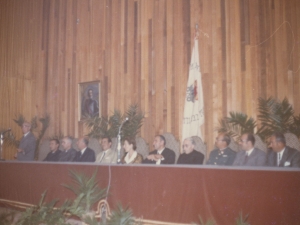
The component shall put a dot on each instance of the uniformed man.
(223, 155)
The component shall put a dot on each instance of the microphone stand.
(1, 142)
(119, 141)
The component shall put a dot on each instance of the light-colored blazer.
(256, 158)
(109, 157)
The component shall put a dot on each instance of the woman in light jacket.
(131, 156)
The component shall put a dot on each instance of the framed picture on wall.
(89, 95)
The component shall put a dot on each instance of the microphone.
(124, 121)
(119, 141)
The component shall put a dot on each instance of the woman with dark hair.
(131, 156)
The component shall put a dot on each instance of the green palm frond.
(295, 127)
(114, 123)
(45, 213)
(241, 220)
(274, 116)
(86, 189)
(236, 124)
(121, 216)
(103, 126)
(201, 222)
(45, 121)
(135, 121)
(34, 123)
(7, 218)
(20, 120)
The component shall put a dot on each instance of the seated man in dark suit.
(85, 154)
(282, 155)
(54, 153)
(69, 153)
(190, 155)
(249, 156)
(223, 155)
(161, 155)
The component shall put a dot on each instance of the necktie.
(158, 162)
(246, 158)
(278, 158)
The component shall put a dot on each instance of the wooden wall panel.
(140, 51)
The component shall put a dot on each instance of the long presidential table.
(169, 194)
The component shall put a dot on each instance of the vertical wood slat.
(140, 52)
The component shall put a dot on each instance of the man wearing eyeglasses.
(249, 156)
(223, 155)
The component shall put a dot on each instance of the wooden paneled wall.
(140, 51)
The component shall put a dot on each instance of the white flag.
(193, 116)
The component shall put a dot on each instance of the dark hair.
(226, 138)
(250, 137)
(279, 137)
(85, 140)
(108, 138)
(56, 140)
(162, 138)
(131, 141)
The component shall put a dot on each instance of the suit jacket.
(256, 158)
(226, 159)
(87, 156)
(67, 156)
(290, 158)
(168, 154)
(28, 144)
(109, 157)
(192, 158)
(138, 159)
(53, 157)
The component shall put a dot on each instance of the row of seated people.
(278, 155)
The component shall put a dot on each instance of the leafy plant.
(241, 220)
(273, 116)
(86, 190)
(295, 127)
(104, 126)
(121, 216)
(7, 218)
(201, 222)
(237, 124)
(44, 213)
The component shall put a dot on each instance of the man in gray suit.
(282, 155)
(249, 156)
(107, 155)
(27, 144)
(68, 154)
